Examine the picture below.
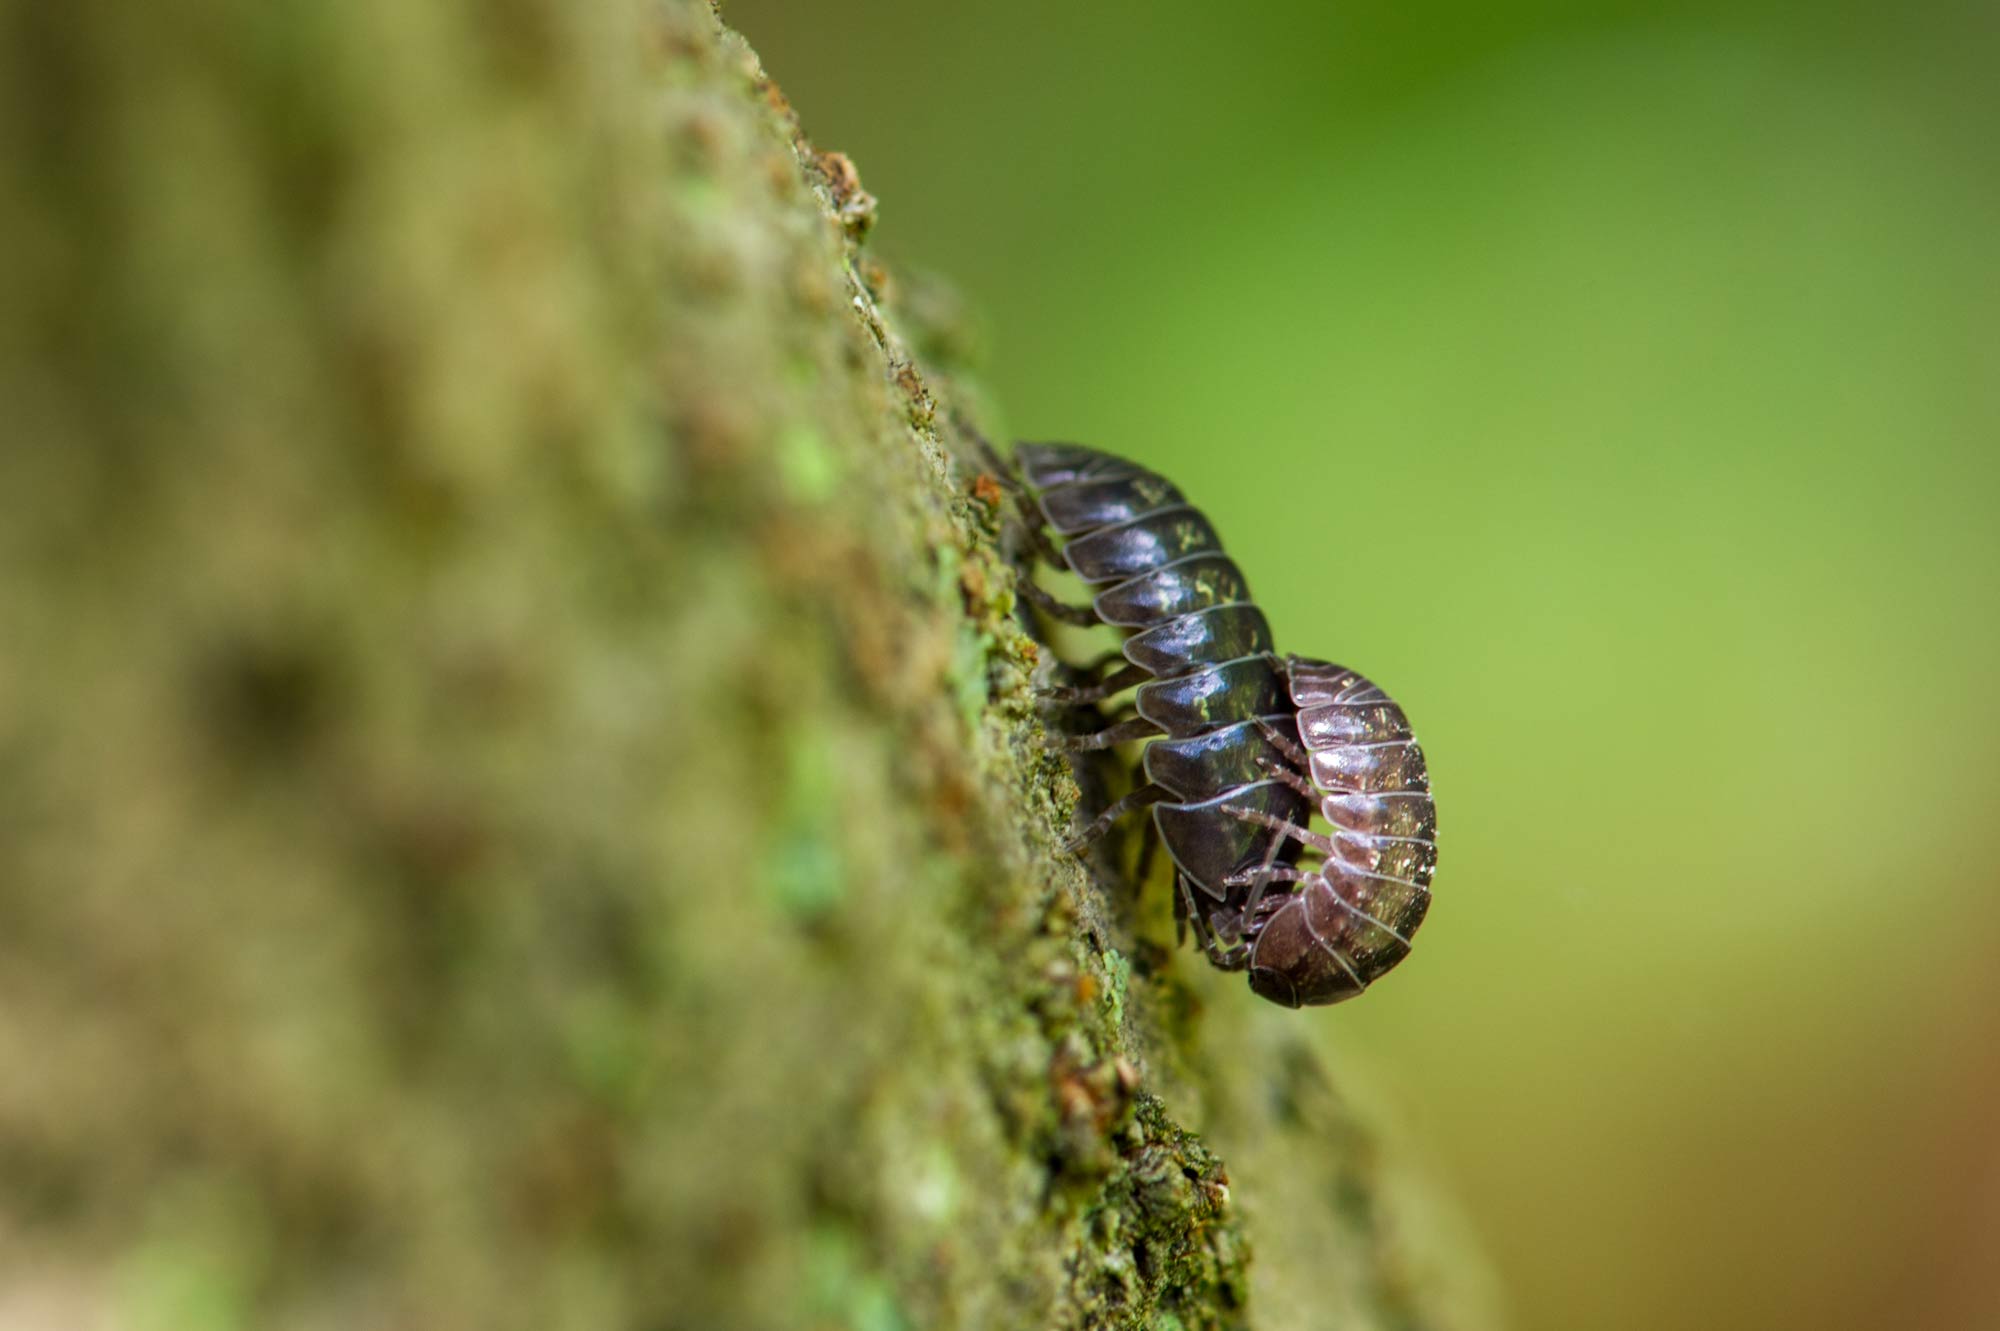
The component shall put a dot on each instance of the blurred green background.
(1617, 384)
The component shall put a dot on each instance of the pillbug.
(1197, 654)
(1241, 745)
(1353, 914)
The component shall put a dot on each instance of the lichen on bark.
(521, 798)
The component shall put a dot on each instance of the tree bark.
(521, 799)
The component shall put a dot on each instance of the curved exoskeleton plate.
(1293, 967)
(1200, 767)
(1209, 845)
(1217, 695)
(1316, 682)
(1084, 506)
(1352, 723)
(1113, 554)
(1408, 860)
(1408, 813)
(1397, 765)
(1045, 465)
(1180, 588)
(1207, 637)
(1338, 935)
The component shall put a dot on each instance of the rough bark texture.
(520, 798)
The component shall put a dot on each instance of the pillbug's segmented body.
(1199, 653)
(1242, 745)
(1353, 914)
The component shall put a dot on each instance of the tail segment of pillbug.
(1241, 746)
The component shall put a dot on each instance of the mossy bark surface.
(521, 799)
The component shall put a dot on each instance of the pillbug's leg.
(1039, 541)
(1286, 745)
(1003, 471)
(1304, 835)
(1038, 536)
(1096, 667)
(1108, 738)
(1003, 474)
(1093, 674)
(1061, 611)
(1259, 880)
(1289, 776)
(1232, 958)
(1190, 911)
(1117, 682)
(1090, 672)
(1181, 904)
(1149, 841)
(1138, 799)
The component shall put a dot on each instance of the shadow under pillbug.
(1242, 746)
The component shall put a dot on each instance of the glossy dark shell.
(1353, 921)
(1113, 554)
(1206, 637)
(1214, 695)
(1330, 941)
(1179, 588)
(1199, 767)
(1210, 845)
(1090, 504)
(1205, 771)
(1049, 465)
(1159, 574)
